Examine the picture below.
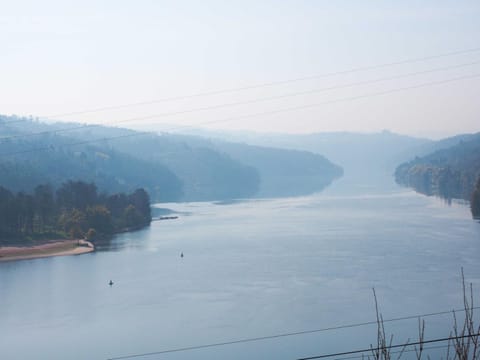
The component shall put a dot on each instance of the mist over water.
(250, 268)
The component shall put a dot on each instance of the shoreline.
(49, 249)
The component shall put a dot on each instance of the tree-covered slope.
(206, 173)
(450, 172)
(284, 172)
(170, 167)
(279, 172)
(118, 160)
(361, 155)
(214, 170)
(27, 161)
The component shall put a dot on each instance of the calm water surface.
(251, 268)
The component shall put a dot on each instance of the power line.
(302, 107)
(246, 102)
(255, 114)
(391, 347)
(397, 352)
(267, 84)
(270, 337)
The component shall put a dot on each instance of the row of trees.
(445, 182)
(75, 209)
(450, 173)
(475, 201)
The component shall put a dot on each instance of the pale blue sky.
(60, 56)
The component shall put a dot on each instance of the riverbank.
(54, 248)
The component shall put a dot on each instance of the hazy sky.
(60, 56)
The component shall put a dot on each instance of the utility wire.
(391, 347)
(267, 84)
(396, 352)
(230, 90)
(218, 106)
(295, 108)
(270, 337)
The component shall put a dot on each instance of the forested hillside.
(272, 172)
(450, 172)
(279, 172)
(33, 153)
(363, 156)
(169, 167)
(298, 172)
(206, 174)
(27, 161)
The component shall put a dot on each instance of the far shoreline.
(49, 249)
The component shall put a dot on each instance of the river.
(250, 269)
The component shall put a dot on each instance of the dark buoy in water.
(110, 283)
(181, 255)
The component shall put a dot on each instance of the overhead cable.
(284, 335)
(267, 84)
(372, 349)
(218, 106)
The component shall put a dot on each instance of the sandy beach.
(55, 248)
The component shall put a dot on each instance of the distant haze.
(59, 58)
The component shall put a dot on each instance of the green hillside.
(170, 167)
(284, 172)
(450, 172)
(27, 161)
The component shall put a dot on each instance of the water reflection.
(251, 268)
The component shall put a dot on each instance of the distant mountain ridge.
(365, 158)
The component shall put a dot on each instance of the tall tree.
(141, 201)
(44, 205)
(76, 195)
(73, 222)
(99, 218)
(7, 212)
(475, 201)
